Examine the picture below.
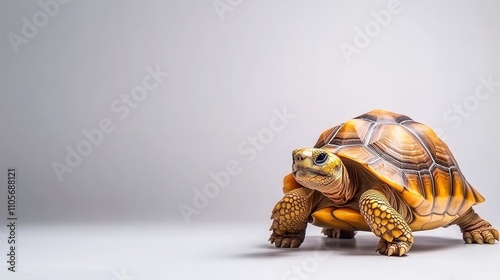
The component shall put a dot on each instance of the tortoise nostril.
(297, 156)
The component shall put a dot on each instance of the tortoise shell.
(409, 157)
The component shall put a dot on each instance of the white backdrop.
(129, 111)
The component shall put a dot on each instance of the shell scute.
(442, 190)
(353, 132)
(396, 145)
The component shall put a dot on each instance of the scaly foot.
(287, 240)
(395, 248)
(476, 230)
(481, 235)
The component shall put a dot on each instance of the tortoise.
(381, 172)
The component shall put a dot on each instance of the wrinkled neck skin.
(342, 190)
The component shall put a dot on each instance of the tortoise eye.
(321, 158)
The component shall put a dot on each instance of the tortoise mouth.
(310, 171)
(308, 175)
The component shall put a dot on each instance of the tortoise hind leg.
(338, 233)
(475, 229)
(395, 234)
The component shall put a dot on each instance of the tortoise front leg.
(290, 217)
(395, 234)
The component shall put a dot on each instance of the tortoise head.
(318, 169)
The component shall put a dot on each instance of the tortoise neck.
(341, 190)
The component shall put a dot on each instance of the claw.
(271, 239)
(402, 251)
(390, 251)
(277, 242)
(285, 243)
(488, 237)
(495, 234)
(467, 237)
(295, 244)
(380, 248)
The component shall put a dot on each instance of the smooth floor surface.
(234, 251)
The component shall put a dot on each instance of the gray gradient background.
(226, 75)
